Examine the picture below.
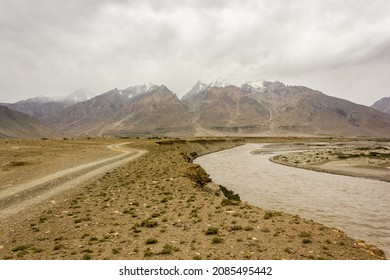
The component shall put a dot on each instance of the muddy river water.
(359, 207)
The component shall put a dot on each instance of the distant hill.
(382, 105)
(41, 106)
(19, 125)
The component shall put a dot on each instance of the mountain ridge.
(257, 108)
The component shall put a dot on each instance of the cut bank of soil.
(156, 208)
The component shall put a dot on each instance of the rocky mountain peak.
(204, 86)
(253, 87)
(137, 90)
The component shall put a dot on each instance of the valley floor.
(154, 207)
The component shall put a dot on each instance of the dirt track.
(16, 198)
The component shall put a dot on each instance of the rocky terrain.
(155, 207)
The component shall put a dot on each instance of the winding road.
(16, 198)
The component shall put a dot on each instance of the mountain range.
(253, 108)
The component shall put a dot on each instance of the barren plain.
(151, 207)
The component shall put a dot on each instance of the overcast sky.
(53, 47)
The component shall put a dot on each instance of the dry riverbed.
(154, 207)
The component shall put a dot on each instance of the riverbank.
(156, 207)
(369, 160)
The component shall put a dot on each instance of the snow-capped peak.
(79, 95)
(251, 87)
(203, 86)
(137, 90)
(38, 100)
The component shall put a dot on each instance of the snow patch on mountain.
(137, 90)
(257, 86)
(79, 95)
(253, 87)
(203, 86)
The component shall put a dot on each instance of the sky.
(54, 47)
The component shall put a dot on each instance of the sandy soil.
(155, 207)
(359, 159)
(14, 198)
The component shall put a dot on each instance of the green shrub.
(151, 241)
(212, 230)
(236, 227)
(216, 240)
(149, 223)
(168, 249)
(270, 214)
(229, 194)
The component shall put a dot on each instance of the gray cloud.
(54, 47)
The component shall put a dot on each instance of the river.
(359, 207)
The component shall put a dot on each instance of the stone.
(214, 189)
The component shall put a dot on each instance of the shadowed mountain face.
(382, 105)
(266, 108)
(19, 125)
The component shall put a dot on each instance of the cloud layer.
(53, 47)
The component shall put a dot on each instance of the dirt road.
(16, 198)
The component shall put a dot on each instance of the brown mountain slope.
(275, 108)
(300, 109)
(228, 109)
(154, 112)
(19, 125)
(91, 116)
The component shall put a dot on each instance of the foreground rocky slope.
(157, 208)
